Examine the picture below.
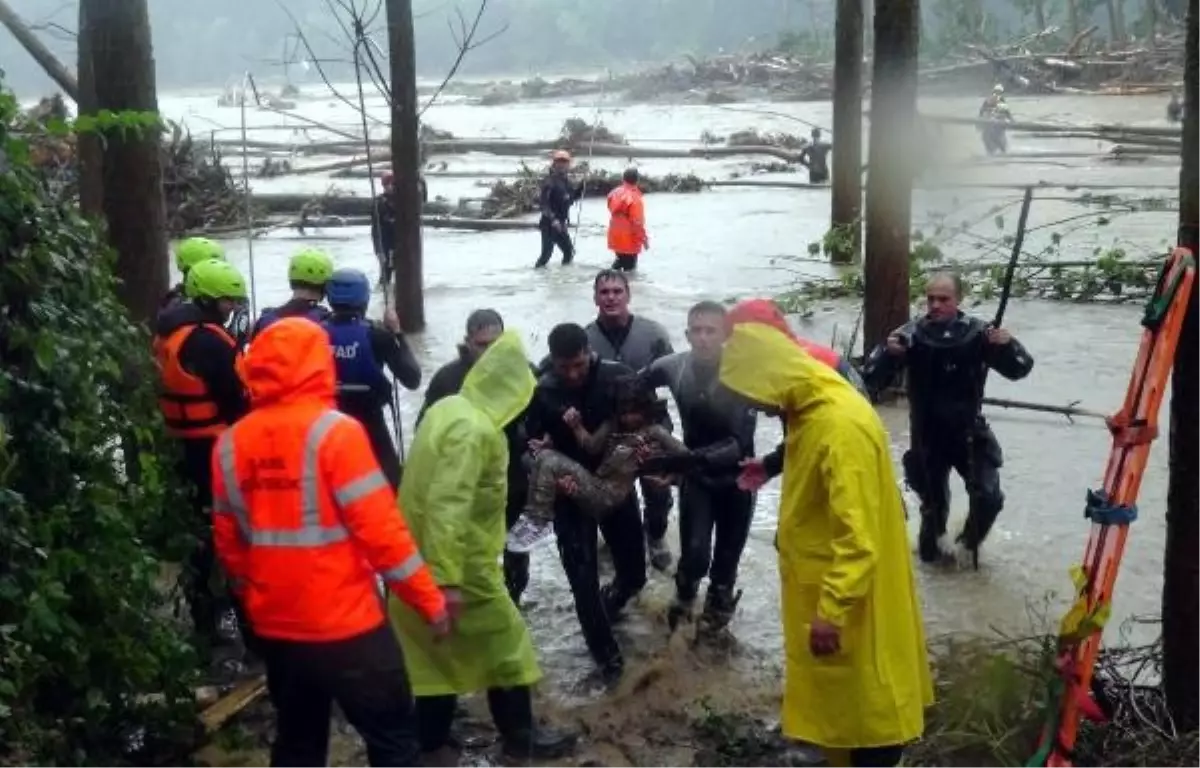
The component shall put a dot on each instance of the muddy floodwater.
(737, 242)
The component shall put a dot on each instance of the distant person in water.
(815, 156)
(627, 236)
(556, 197)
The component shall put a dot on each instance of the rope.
(248, 79)
(591, 147)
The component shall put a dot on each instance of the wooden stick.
(235, 701)
(1069, 410)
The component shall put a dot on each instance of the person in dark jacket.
(636, 341)
(579, 380)
(361, 349)
(308, 271)
(201, 396)
(383, 227)
(483, 327)
(555, 199)
(947, 354)
(815, 157)
(721, 426)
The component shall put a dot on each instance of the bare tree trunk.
(1039, 14)
(1073, 18)
(91, 150)
(406, 164)
(29, 41)
(1181, 577)
(118, 33)
(1116, 21)
(890, 180)
(847, 127)
(1152, 19)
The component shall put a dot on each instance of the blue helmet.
(348, 288)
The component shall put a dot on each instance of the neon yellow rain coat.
(453, 495)
(843, 552)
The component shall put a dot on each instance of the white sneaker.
(525, 534)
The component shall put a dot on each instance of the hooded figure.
(857, 674)
(453, 493)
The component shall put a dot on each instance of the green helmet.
(311, 267)
(214, 279)
(194, 250)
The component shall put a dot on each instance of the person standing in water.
(815, 157)
(857, 676)
(947, 354)
(720, 426)
(617, 335)
(555, 199)
(627, 223)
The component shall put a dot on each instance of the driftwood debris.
(245, 694)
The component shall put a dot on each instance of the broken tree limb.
(245, 694)
(57, 71)
(1068, 410)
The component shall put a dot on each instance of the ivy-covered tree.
(93, 667)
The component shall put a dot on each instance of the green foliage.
(92, 668)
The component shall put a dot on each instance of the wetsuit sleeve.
(440, 386)
(393, 350)
(214, 361)
(662, 344)
(773, 461)
(366, 504)
(1011, 360)
(546, 200)
(880, 368)
(853, 524)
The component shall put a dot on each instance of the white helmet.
(998, 88)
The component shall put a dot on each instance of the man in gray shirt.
(617, 335)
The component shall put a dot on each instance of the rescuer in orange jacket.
(303, 520)
(200, 396)
(627, 225)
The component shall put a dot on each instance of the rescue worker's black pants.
(551, 238)
(656, 509)
(578, 544)
(511, 708)
(364, 674)
(817, 177)
(626, 262)
(516, 564)
(876, 757)
(703, 511)
(380, 437)
(386, 266)
(975, 455)
(197, 579)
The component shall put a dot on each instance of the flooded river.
(738, 242)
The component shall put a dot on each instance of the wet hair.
(484, 318)
(605, 275)
(567, 340)
(954, 278)
(706, 308)
(816, 133)
(630, 176)
(631, 393)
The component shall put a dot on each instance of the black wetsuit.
(313, 310)
(815, 157)
(383, 234)
(555, 200)
(577, 532)
(448, 380)
(720, 425)
(946, 365)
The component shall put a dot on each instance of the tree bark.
(890, 180)
(847, 127)
(409, 289)
(118, 37)
(1181, 564)
(91, 157)
(29, 41)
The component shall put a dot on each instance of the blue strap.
(1100, 510)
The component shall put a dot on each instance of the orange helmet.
(561, 154)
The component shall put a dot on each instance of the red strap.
(1127, 434)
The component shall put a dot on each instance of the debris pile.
(518, 196)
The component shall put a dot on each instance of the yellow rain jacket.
(843, 552)
(453, 495)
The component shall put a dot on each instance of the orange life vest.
(186, 404)
(627, 225)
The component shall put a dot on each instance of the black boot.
(720, 603)
(522, 737)
(933, 525)
(680, 611)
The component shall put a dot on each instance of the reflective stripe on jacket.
(186, 404)
(303, 518)
(627, 225)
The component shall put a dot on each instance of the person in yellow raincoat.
(857, 676)
(453, 495)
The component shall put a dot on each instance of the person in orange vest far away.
(627, 236)
(303, 520)
(201, 395)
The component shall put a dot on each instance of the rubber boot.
(932, 527)
(720, 603)
(522, 737)
(679, 612)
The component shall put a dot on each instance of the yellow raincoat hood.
(500, 383)
(844, 555)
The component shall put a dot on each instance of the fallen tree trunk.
(1103, 129)
(57, 71)
(331, 205)
(804, 185)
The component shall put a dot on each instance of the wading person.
(721, 426)
(201, 396)
(484, 326)
(303, 521)
(634, 341)
(555, 199)
(857, 676)
(308, 271)
(947, 354)
(361, 350)
(581, 382)
(627, 236)
(815, 157)
(453, 495)
(383, 227)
